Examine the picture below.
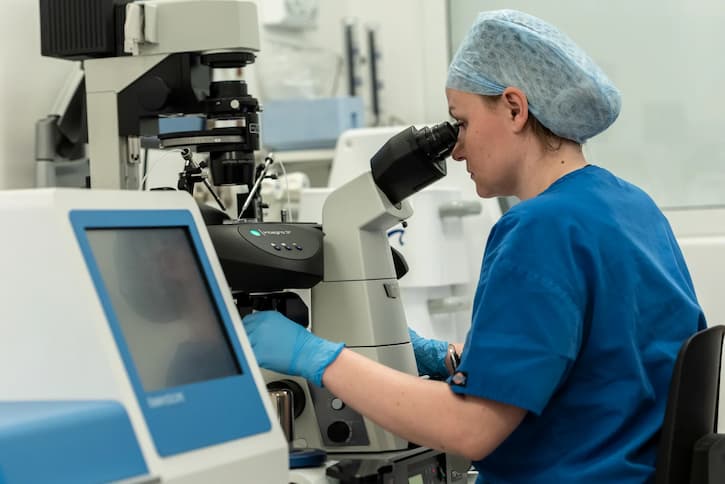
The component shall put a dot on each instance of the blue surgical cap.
(566, 91)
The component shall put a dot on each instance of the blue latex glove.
(430, 355)
(284, 346)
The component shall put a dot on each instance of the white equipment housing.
(65, 336)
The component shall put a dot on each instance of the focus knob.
(339, 432)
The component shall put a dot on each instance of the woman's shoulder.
(542, 210)
(531, 223)
(554, 216)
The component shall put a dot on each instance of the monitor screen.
(163, 304)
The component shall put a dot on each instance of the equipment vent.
(77, 29)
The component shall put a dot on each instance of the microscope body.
(149, 59)
(169, 28)
(358, 303)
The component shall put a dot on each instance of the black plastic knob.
(339, 432)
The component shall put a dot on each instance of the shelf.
(295, 156)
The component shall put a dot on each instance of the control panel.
(283, 240)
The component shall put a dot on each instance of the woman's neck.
(542, 168)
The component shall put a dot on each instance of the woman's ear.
(518, 107)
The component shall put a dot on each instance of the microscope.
(146, 62)
(154, 60)
(359, 302)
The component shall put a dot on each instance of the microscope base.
(418, 465)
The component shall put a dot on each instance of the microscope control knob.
(298, 394)
(153, 93)
(339, 432)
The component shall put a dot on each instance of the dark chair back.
(691, 406)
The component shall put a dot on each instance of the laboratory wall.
(666, 59)
(29, 86)
(412, 46)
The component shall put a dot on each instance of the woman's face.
(486, 142)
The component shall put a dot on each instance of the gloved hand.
(284, 346)
(430, 355)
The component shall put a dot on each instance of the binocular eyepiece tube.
(413, 159)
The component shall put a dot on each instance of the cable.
(188, 157)
(142, 185)
(144, 168)
(286, 183)
(213, 194)
(268, 160)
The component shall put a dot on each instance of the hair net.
(566, 91)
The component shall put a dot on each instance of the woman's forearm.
(422, 411)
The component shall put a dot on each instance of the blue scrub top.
(583, 302)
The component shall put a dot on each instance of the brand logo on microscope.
(166, 400)
(259, 233)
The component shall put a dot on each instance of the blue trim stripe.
(81, 442)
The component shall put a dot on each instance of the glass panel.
(163, 305)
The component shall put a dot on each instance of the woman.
(583, 300)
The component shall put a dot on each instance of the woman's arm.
(425, 412)
(422, 411)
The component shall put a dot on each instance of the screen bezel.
(193, 415)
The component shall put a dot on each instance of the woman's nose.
(457, 152)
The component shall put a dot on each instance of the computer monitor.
(163, 304)
(168, 317)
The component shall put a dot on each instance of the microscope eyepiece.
(413, 159)
(439, 140)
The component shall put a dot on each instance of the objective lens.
(232, 168)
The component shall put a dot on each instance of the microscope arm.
(356, 218)
(358, 301)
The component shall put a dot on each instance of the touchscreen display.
(163, 305)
